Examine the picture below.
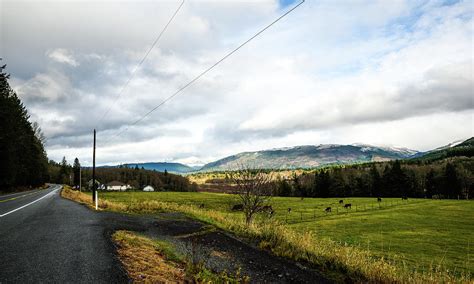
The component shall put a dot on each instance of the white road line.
(21, 207)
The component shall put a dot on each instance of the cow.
(238, 207)
(327, 210)
(379, 199)
(404, 198)
(266, 208)
(341, 201)
(270, 215)
(201, 205)
(289, 210)
(348, 205)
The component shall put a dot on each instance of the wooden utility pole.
(93, 173)
(80, 178)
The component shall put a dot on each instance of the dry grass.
(340, 262)
(144, 261)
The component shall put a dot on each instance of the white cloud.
(331, 72)
(62, 55)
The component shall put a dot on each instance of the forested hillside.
(23, 161)
(447, 178)
(136, 177)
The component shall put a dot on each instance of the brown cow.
(266, 208)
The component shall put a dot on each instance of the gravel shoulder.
(219, 250)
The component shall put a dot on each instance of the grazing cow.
(327, 210)
(289, 210)
(341, 201)
(201, 205)
(266, 208)
(238, 207)
(404, 198)
(379, 199)
(271, 213)
(348, 205)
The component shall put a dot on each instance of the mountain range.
(309, 156)
(162, 166)
(312, 156)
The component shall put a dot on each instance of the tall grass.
(340, 262)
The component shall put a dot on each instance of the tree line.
(23, 159)
(137, 178)
(449, 178)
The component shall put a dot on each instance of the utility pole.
(93, 173)
(80, 178)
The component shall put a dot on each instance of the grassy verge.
(151, 261)
(339, 261)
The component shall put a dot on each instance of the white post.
(96, 199)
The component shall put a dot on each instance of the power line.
(141, 62)
(207, 70)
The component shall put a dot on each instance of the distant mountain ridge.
(457, 148)
(310, 156)
(313, 156)
(162, 166)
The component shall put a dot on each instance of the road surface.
(45, 238)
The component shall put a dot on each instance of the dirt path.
(219, 250)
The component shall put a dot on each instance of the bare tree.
(38, 132)
(254, 188)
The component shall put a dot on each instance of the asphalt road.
(45, 238)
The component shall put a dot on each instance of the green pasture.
(417, 234)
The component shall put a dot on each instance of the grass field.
(416, 234)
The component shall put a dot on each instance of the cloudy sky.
(389, 72)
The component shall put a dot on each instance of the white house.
(117, 186)
(148, 188)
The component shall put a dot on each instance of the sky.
(389, 73)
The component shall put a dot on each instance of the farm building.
(117, 186)
(148, 188)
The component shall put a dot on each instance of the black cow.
(404, 198)
(379, 199)
(238, 207)
(348, 205)
(341, 201)
(201, 205)
(327, 210)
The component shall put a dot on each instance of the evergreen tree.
(22, 155)
(63, 172)
(376, 182)
(76, 171)
(452, 185)
(430, 184)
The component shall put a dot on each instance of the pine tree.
(77, 172)
(452, 186)
(22, 155)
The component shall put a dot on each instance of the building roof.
(115, 183)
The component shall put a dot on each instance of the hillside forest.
(23, 161)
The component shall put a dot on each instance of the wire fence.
(295, 215)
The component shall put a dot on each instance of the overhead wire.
(134, 71)
(206, 71)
